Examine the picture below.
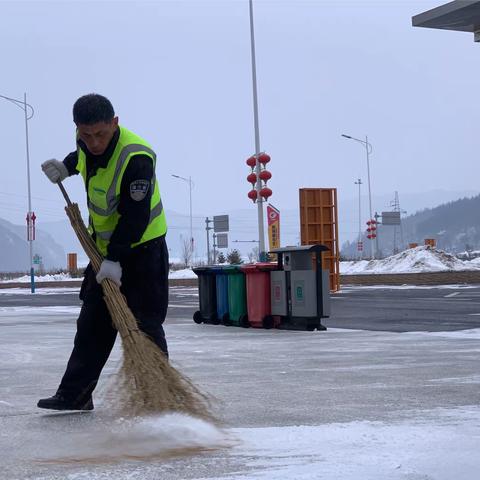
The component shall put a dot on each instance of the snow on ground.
(439, 444)
(414, 260)
(420, 443)
(442, 445)
(60, 277)
(65, 277)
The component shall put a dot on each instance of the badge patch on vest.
(139, 189)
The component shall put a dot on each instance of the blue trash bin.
(221, 280)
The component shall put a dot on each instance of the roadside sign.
(220, 223)
(222, 240)
(390, 218)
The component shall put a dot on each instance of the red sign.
(273, 218)
(31, 217)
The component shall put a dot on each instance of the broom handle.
(81, 231)
(65, 194)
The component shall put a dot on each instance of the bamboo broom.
(147, 383)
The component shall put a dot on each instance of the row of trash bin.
(292, 293)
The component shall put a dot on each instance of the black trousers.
(145, 286)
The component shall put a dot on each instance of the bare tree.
(253, 255)
(186, 252)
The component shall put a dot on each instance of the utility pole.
(191, 242)
(208, 228)
(214, 248)
(360, 243)
(396, 208)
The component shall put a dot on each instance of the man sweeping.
(127, 223)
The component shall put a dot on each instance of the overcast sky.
(179, 74)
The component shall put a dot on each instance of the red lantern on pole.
(252, 162)
(252, 178)
(252, 195)
(265, 175)
(263, 158)
(265, 192)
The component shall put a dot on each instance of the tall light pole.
(368, 149)
(359, 183)
(258, 186)
(30, 215)
(189, 181)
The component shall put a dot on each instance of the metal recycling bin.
(237, 298)
(300, 292)
(221, 281)
(257, 276)
(207, 296)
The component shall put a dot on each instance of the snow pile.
(413, 260)
(181, 274)
(65, 277)
(60, 277)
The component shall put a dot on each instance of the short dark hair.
(92, 108)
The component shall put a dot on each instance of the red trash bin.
(259, 309)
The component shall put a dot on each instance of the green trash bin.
(237, 298)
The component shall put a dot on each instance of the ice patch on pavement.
(405, 287)
(471, 334)
(438, 444)
(162, 436)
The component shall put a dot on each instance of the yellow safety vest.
(103, 191)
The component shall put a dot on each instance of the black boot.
(60, 402)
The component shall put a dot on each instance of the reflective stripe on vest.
(103, 191)
(155, 212)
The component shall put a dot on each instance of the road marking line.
(452, 295)
(474, 313)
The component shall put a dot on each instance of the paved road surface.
(392, 309)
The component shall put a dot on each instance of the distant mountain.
(15, 250)
(454, 225)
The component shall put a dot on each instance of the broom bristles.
(147, 382)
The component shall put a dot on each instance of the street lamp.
(360, 243)
(189, 181)
(30, 215)
(261, 232)
(368, 149)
